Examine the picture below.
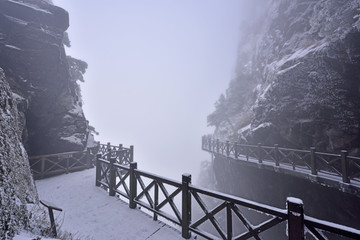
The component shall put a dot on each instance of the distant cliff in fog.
(298, 77)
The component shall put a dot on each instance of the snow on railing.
(218, 215)
(341, 166)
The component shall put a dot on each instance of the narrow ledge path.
(90, 213)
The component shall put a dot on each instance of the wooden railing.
(59, 163)
(339, 167)
(155, 193)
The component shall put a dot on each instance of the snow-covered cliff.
(40, 104)
(298, 77)
(32, 55)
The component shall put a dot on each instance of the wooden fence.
(339, 167)
(154, 193)
(53, 164)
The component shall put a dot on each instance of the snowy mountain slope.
(298, 78)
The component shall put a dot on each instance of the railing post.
(259, 152)
(236, 150)
(42, 167)
(345, 166)
(217, 146)
(276, 154)
(156, 200)
(108, 147)
(295, 218)
(88, 157)
(229, 221)
(112, 176)
(133, 185)
(98, 170)
(67, 165)
(227, 148)
(186, 206)
(131, 153)
(313, 161)
(120, 146)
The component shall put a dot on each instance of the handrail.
(129, 182)
(346, 168)
(58, 163)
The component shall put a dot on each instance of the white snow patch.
(29, 236)
(77, 110)
(288, 69)
(17, 97)
(298, 54)
(13, 47)
(246, 128)
(294, 200)
(73, 139)
(16, 20)
(262, 96)
(31, 6)
(263, 125)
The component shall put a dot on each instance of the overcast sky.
(156, 69)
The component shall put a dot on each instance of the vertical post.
(67, 165)
(120, 146)
(133, 185)
(345, 166)
(156, 200)
(227, 148)
(313, 161)
(210, 144)
(295, 218)
(217, 145)
(108, 147)
(259, 152)
(186, 206)
(88, 158)
(42, 167)
(52, 221)
(236, 150)
(229, 221)
(202, 142)
(276, 153)
(112, 176)
(98, 170)
(131, 153)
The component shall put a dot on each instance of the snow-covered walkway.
(90, 213)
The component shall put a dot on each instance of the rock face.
(16, 184)
(298, 78)
(40, 104)
(33, 57)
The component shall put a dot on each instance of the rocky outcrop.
(298, 78)
(16, 184)
(33, 57)
(40, 105)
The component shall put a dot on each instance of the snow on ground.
(90, 213)
(29, 236)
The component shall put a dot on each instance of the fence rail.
(129, 182)
(339, 167)
(59, 163)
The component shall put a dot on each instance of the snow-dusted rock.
(33, 58)
(298, 78)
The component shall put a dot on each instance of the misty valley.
(179, 120)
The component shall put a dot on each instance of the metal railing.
(333, 166)
(145, 189)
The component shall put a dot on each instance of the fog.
(155, 70)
